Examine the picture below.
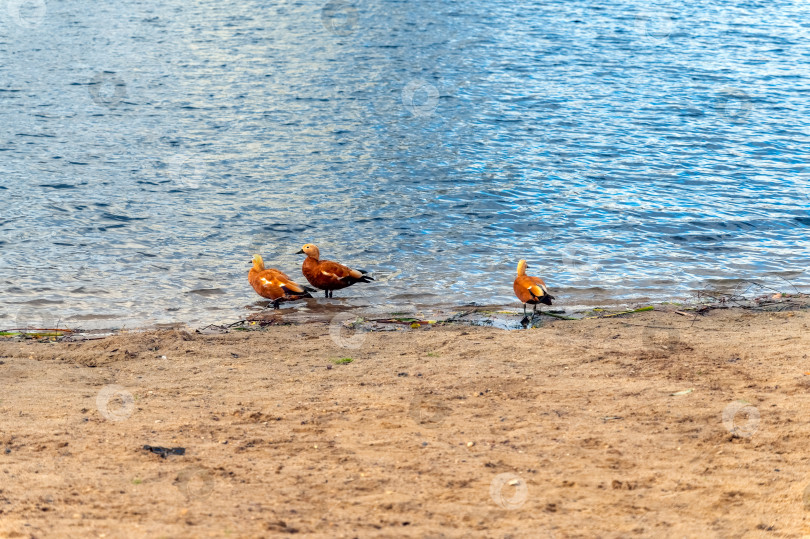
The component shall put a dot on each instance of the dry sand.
(651, 425)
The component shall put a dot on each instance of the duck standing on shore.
(530, 290)
(273, 284)
(327, 275)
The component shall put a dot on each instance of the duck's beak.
(300, 252)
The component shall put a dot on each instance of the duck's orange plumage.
(327, 275)
(273, 284)
(531, 290)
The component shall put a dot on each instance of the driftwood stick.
(561, 317)
(639, 310)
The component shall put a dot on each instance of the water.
(629, 152)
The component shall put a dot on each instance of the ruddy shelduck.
(326, 275)
(273, 284)
(531, 290)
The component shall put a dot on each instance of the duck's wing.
(362, 276)
(339, 273)
(537, 286)
(286, 284)
(266, 285)
(539, 290)
(278, 274)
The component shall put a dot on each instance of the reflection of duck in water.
(530, 290)
(272, 284)
(328, 275)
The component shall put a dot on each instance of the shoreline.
(361, 317)
(648, 424)
(39, 316)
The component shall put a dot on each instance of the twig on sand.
(639, 310)
(561, 317)
(458, 316)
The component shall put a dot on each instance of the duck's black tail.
(308, 290)
(295, 294)
(365, 278)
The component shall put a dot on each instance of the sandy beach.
(656, 424)
(402, 179)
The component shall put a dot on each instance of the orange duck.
(273, 284)
(530, 289)
(327, 275)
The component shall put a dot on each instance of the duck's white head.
(258, 263)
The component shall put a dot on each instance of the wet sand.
(655, 424)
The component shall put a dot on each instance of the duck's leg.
(276, 302)
(326, 293)
(331, 293)
(525, 321)
(534, 311)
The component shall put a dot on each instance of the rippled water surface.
(148, 149)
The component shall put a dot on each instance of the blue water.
(628, 152)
